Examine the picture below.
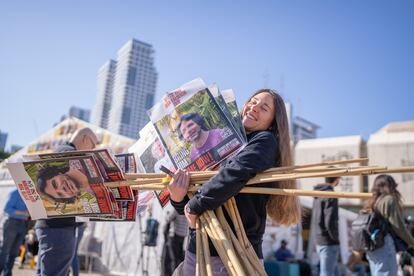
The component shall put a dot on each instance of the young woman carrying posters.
(265, 121)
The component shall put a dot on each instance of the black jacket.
(325, 217)
(258, 155)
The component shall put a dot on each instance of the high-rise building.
(127, 87)
(105, 84)
(3, 140)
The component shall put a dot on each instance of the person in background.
(387, 201)
(175, 232)
(14, 231)
(283, 254)
(325, 224)
(57, 237)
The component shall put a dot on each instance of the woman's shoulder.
(263, 135)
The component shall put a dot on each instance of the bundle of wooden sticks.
(234, 249)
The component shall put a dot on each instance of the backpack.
(368, 231)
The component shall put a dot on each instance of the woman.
(265, 121)
(387, 201)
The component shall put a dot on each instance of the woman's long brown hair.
(281, 209)
(384, 184)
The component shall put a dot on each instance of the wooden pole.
(200, 263)
(206, 248)
(297, 192)
(217, 244)
(249, 248)
(226, 243)
(240, 251)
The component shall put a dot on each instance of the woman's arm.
(258, 155)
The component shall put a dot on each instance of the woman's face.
(259, 112)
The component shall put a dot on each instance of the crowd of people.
(268, 145)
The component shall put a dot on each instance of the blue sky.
(345, 65)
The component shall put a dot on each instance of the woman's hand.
(191, 218)
(178, 185)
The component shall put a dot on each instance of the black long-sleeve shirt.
(258, 155)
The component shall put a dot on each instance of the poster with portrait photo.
(126, 211)
(193, 128)
(109, 168)
(62, 187)
(227, 106)
(152, 155)
(126, 162)
(230, 100)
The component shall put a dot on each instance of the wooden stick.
(309, 170)
(148, 187)
(233, 218)
(206, 248)
(217, 244)
(226, 243)
(144, 175)
(200, 264)
(408, 169)
(239, 249)
(297, 192)
(319, 164)
(268, 176)
(297, 175)
(161, 175)
(250, 250)
(280, 169)
(277, 191)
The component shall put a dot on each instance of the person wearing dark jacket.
(57, 236)
(264, 118)
(325, 225)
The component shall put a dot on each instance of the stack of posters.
(194, 127)
(72, 184)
